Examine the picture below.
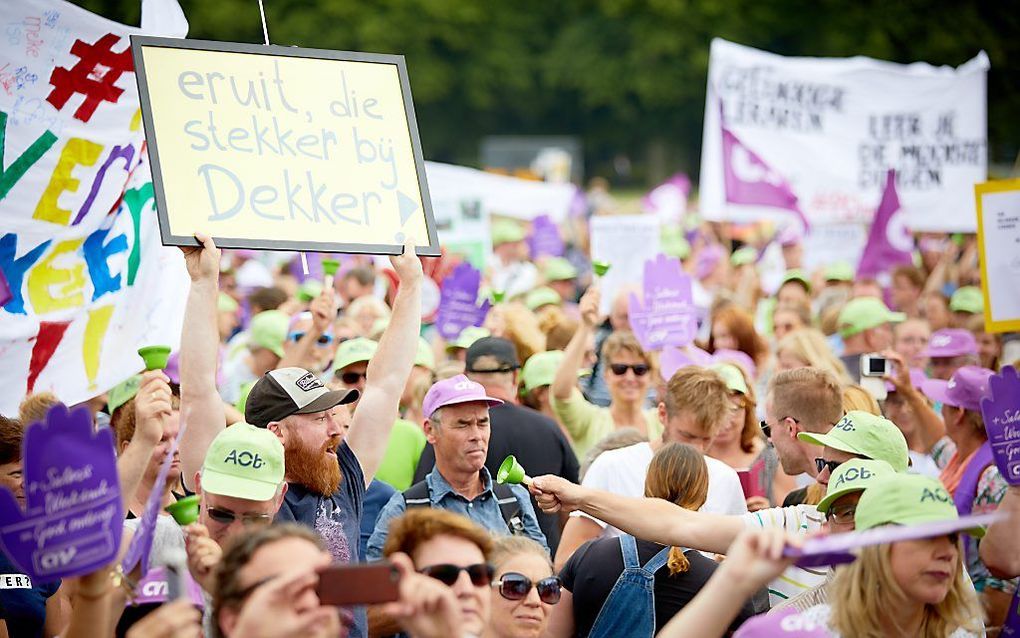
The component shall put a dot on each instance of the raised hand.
(152, 407)
(1001, 413)
(589, 307)
(323, 309)
(555, 494)
(756, 557)
(666, 314)
(178, 619)
(545, 240)
(203, 554)
(203, 262)
(458, 302)
(270, 613)
(407, 265)
(427, 608)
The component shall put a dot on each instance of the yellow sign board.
(998, 223)
(283, 148)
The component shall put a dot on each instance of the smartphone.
(370, 584)
(873, 365)
(750, 480)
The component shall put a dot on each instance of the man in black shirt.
(535, 439)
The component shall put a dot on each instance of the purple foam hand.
(666, 316)
(1001, 413)
(545, 240)
(458, 302)
(73, 516)
(672, 359)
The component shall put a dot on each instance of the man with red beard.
(329, 456)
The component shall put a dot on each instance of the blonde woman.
(524, 589)
(366, 312)
(908, 588)
(857, 398)
(807, 348)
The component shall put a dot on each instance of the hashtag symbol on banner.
(94, 75)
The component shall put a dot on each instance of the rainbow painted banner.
(84, 279)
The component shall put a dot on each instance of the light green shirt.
(588, 424)
(400, 461)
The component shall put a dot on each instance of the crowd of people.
(330, 425)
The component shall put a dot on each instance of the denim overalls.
(630, 608)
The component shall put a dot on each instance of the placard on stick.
(282, 148)
(998, 224)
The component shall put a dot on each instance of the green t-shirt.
(398, 464)
(588, 424)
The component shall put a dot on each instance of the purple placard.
(837, 548)
(1001, 413)
(73, 515)
(666, 316)
(458, 302)
(545, 240)
(154, 589)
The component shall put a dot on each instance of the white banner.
(625, 242)
(84, 280)
(814, 137)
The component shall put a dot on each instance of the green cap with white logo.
(853, 476)
(867, 435)
(907, 499)
(244, 461)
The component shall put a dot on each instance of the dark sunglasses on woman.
(479, 573)
(514, 586)
(620, 369)
(323, 340)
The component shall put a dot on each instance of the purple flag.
(1001, 413)
(545, 240)
(889, 242)
(458, 302)
(73, 516)
(750, 181)
(668, 199)
(666, 315)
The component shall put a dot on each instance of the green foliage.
(626, 75)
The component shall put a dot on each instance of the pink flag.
(749, 180)
(889, 241)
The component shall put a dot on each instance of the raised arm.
(1000, 548)
(152, 409)
(389, 368)
(201, 406)
(649, 519)
(323, 309)
(929, 423)
(566, 375)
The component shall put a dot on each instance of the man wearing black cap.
(535, 439)
(330, 457)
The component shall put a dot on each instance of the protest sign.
(463, 224)
(544, 239)
(998, 224)
(665, 314)
(73, 516)
(283, 148)
(622, 241)
(786, 136)
(87, 279)
(1001, 413)
(458, 302)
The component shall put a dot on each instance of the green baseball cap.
(226, 303)
(244, 461)
(839, 271)
(743, 256)
(559, 269)
(505, 231)
(672, 242)
(796, 275)
(862, 313)
(852, 476)
(467, 336)
(732, 375)
(123, 392)
(425, 357)
(268, 330)
(309, 289)
(542, 296)
(353, 351)
(867, 435)
(540, 369)
(967, 299)
(907, 499)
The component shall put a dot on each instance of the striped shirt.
(796, 519)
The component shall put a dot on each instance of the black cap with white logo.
(281, 393)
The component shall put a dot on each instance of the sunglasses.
(620, 369)
(479, 573)
(352, 378)
(821, 464)
(514, 586)
(323, 340)
(226, 517)
(843, 515)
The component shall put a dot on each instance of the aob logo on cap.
(244, 458)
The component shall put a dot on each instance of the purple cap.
(917, 378)
(453, 391)
(965, 388)
(951, 342)
(787, 622)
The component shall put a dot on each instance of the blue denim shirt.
(483, 510)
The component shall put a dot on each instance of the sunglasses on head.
(514, 586)
(352, 378)
(226, 517)
(620, 369)
(323, 340)
(821, 464)
(479, 573)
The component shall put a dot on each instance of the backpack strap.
(418, 495)
(509, 508)
(628, 548)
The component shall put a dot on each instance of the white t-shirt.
(623, 470)
(820, 614)
(922, 464)
(796, 519)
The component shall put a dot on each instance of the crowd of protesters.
(662, 496)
